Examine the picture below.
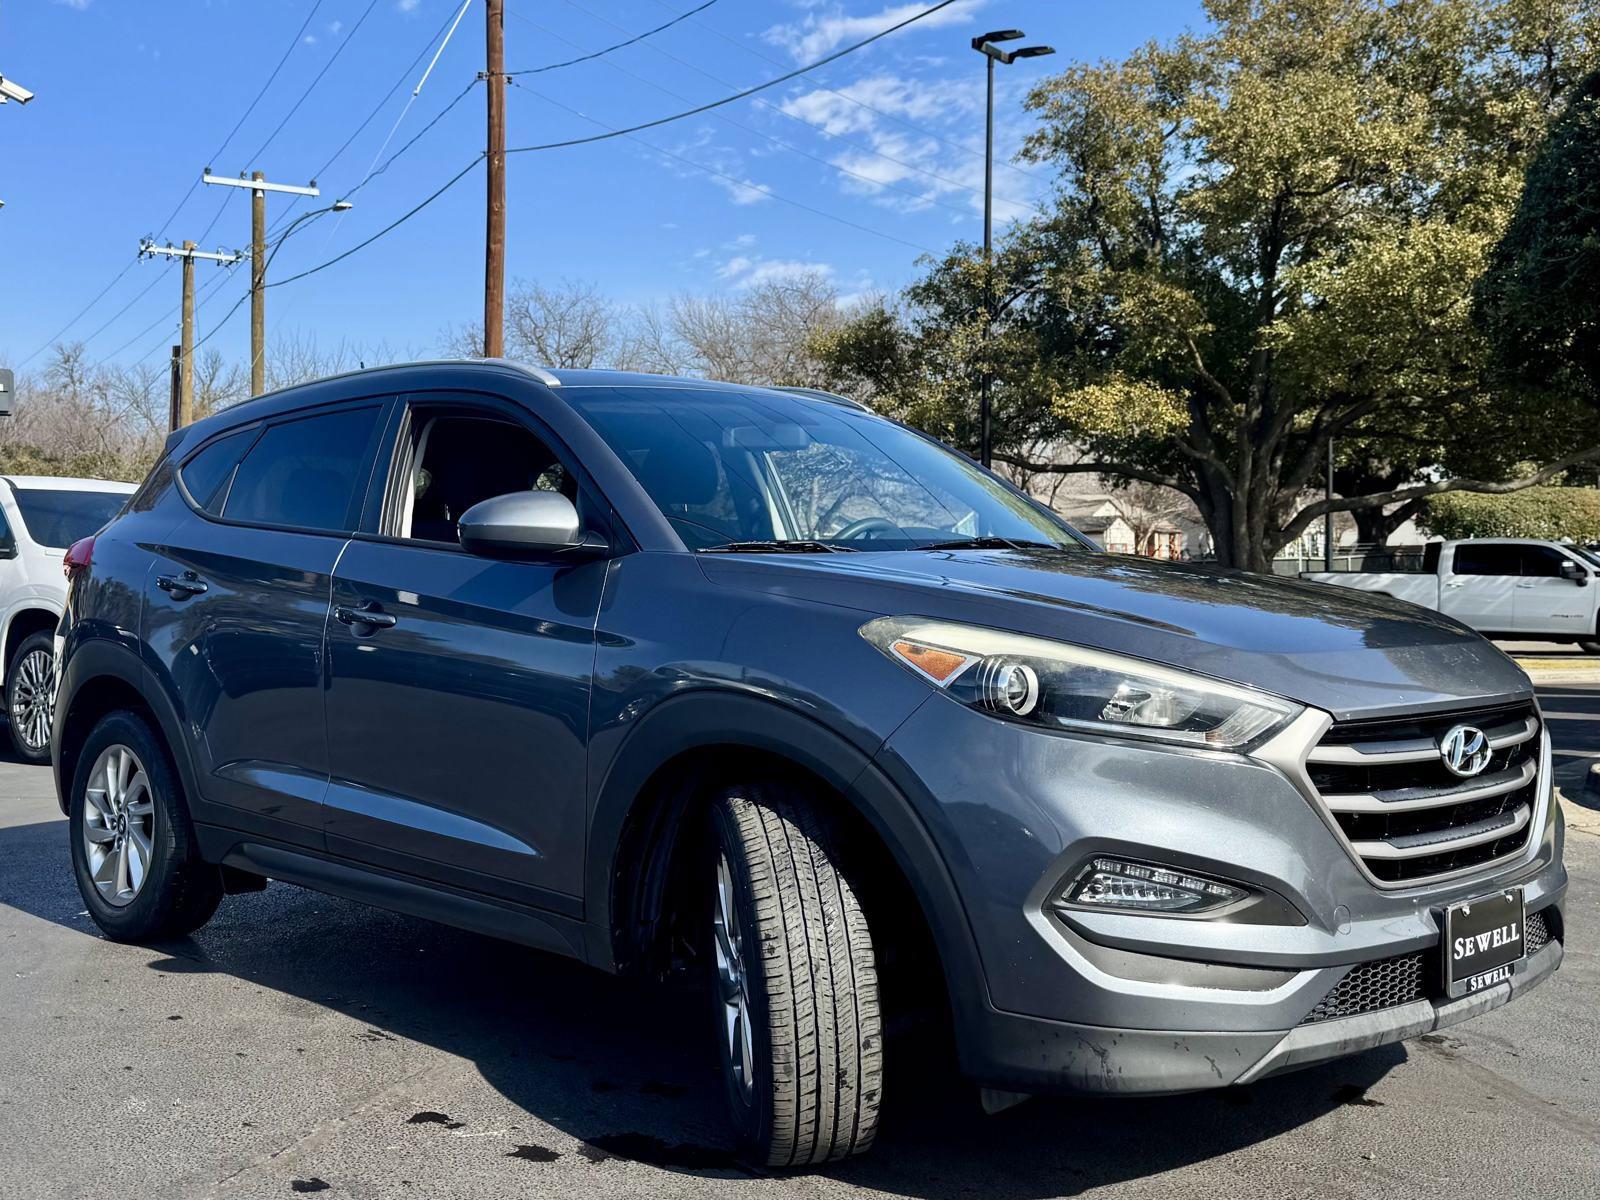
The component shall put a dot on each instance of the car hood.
(1350, 654)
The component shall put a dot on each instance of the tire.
(175, 892)
(810, 997)
(28, 700)
(1591, 646)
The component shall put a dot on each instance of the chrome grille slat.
(1441, 841)
(1406, 817)
(1411, 750)
(1409, 799)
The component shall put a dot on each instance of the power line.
(862, 104)
(310, 87)
(572, 62)
(755, 187)
(99, 296)
(118, 277)
(750, 91)
(777, 141)
(875, 151)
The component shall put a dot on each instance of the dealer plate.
(1483, 942)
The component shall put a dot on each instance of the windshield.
(1589, 555)
(58, 518)
(734, 469)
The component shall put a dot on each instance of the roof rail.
(543, 374)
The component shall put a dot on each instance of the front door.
(458, 699)
(1548, 602)
(236, 604)
(1481, 587)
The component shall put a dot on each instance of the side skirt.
(398, 893)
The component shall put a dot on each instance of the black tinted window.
(307, 473)
(58, 518)
(208, 474)
(1489, 559)
(1542, 562)
(460, 460)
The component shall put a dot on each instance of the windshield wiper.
(991, 543)
(795, 547)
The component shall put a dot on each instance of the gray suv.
(673, 676)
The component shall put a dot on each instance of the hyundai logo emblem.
(1465, 751)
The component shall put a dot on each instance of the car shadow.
(627, 1067)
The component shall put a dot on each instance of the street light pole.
(985, 44)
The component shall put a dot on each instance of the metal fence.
(1355, 558)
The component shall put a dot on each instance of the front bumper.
(1030, 1054)
(1075, 1000)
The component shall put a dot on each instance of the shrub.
(1553, 513)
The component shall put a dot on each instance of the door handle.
(372, 618)
(181, 587)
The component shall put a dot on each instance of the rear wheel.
(133, 850)
(29, 678)
(1590, 647)
(795, 983)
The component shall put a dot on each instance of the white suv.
(40, 516)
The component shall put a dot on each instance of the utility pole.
(494, 242)
(259, 187)
(188, 253)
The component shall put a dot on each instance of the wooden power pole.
(258, 286)
(186, 364)
(494, 248)
(175, 405)
(259, 187)
(185, 403)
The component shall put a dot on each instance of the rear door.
(458, 696)
(237, 601)
(1547, 601)
(1481, 585)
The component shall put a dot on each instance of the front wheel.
(28, 700)
(795, 984)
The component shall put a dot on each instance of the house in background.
(1115, 525)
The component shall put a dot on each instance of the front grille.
(1391, 982)
(1406, 816)
(1386, 983)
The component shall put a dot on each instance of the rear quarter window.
(206, 475)
(308, 473)
(56, 517)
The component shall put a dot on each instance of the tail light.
(78, 556)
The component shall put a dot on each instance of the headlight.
(1059, 686)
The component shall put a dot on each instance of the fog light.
(1142, 887)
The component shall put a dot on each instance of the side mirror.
(527, 525)
(1571, 570)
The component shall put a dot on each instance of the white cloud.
(819, 32)
(407, 6)
(912, 144)
(310, 39)
(335, 26)
(747, 271)
(80, 5)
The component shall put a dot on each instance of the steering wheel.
(867, 526)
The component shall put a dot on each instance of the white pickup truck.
(1502, 587)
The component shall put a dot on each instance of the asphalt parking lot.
(302, 1045)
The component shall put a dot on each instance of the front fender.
(707, 718)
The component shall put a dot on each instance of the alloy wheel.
(119, 825)
(733, 984)
(30, 699)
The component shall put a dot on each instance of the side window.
(457, 460)
(1488, 558)
(308, 473)
(8, 541)
(1542, 562)
(207, 474)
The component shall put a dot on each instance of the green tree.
(1539, 302)
(1552, 513)
(1264, 236)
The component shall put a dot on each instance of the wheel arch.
(21, 624)
(647, 800)
(102, 677)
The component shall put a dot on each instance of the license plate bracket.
(1483, 942)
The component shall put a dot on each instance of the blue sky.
(133, 99)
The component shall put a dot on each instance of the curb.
(1565, 673)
